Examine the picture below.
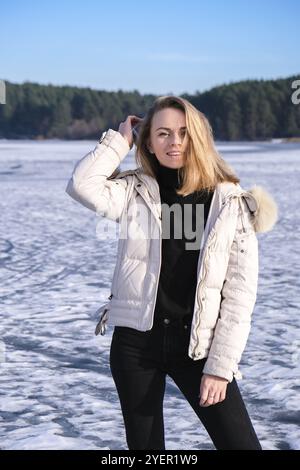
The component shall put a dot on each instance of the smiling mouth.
(174, 154)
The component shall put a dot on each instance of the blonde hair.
(204, 167)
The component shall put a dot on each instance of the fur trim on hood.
(263, 207)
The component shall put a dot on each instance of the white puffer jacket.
(228, 263)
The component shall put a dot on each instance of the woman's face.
(167, 132)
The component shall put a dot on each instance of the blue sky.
(155, 47)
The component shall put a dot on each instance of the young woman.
(185, 281)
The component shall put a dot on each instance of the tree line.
(245, 110)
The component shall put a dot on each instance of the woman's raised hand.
(125, 128)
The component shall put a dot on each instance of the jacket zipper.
(205, 262)
(124, 215)
(158, 276)
(160, 249)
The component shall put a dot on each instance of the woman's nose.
(176, 139)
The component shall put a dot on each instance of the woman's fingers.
(212, 389)
(209, 401)
(134, 118)
(135, 121)
(203, 395)
(125, 128)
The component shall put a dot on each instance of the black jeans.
(139, 362)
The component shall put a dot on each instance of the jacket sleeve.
(239, 293)
(89, 184)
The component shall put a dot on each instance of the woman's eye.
(164, 133)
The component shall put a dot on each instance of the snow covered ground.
(56, 391)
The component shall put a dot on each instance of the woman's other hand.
(212, 390)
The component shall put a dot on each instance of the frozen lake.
(56, 389)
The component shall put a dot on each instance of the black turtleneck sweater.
(178, 276)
